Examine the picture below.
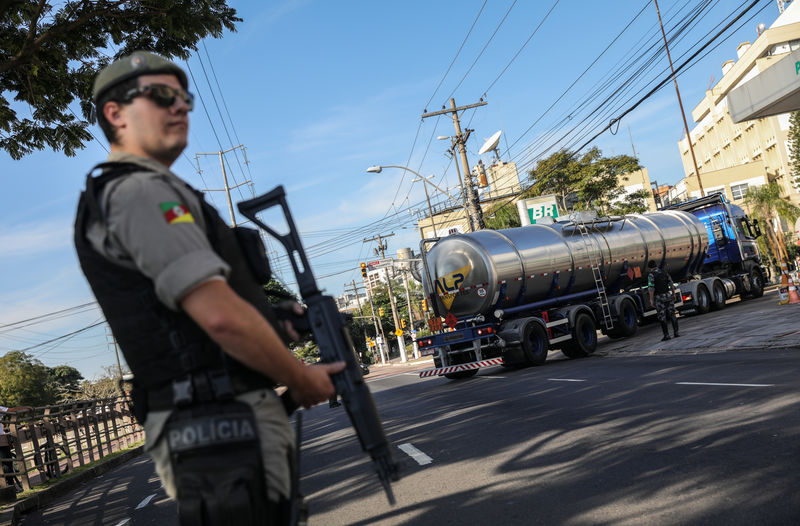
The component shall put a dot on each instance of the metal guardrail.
(47, 442)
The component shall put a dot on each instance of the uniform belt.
(164, 397)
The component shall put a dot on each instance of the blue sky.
(318, 91)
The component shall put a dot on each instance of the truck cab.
(732, 264)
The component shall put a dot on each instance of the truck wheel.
(460, 375)
(626, 323)
(702, 303)
(534, 343)
(756, 283)
(584, 337)
(718, 300)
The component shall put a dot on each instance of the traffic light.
(425, 305)
(380, 311)
(363, 270)
(403, 323)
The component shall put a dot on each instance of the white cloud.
(34, 238)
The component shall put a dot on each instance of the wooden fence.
(47, 442)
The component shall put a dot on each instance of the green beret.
(134, 65)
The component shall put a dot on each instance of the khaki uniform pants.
(274, 433)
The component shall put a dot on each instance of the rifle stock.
(330, 333)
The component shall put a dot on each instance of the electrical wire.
(456, 56)
(483, 49)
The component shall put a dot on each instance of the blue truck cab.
(732, 263)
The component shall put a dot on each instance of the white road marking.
(416, 454)
(730, 385)
(145, 502)
(565, 380)
(488, 376)
(123, 521)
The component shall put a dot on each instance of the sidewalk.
(396, 362)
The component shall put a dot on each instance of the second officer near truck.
(662, 293)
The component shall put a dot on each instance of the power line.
(456, 56)
(41, 317)
(482, 50)
(68, 335)
(521, 48)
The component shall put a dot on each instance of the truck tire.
(460, 375)
(756, 283)
(702, 301)
(717, 297)
(534, 343)
(626, 323)
(584, 337)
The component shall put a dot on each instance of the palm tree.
(767, 203)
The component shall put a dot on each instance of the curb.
(11, 516)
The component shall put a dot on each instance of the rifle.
(330, 333)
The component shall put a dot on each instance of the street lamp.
(379, 168)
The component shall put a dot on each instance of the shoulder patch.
(175, 212)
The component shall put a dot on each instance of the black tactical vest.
(161, 345)
(660, 281)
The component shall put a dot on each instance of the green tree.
(503, 216)
(104, 385)
(24, 380)
(591, 180)
(277, 293)
(599, 187)
(794, 146)
(767, 203)
(632, 203)
(558, 174)
(51, 51)
(66, 380)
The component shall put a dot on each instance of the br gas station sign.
(536, 208)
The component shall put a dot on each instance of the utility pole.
(680, 103)
(374, 321)
(474, 210)
(410, 312)
(227, 189)
(400, 339)
(116, 350)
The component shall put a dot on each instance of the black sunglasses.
(161, 94)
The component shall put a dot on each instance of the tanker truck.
(510, 296)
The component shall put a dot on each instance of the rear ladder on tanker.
(602, 298)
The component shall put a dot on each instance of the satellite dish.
(491, 144)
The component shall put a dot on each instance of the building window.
(738, 191)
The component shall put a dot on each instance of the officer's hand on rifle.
(314, 385)
(292, 318)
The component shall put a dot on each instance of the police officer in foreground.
(662, 293)
(183, 295)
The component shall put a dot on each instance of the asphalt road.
(685, 432)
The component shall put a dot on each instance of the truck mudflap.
(461, 367)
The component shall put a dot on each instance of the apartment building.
(731, 157)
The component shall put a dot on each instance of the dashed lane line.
(565, 380)
(145, 502)
(728, 385)
(416, 454)
(123, 522)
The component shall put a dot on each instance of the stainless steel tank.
(480, 271)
